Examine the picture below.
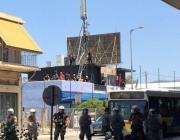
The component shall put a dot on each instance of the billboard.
(104, 48)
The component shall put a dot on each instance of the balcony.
(17, 60)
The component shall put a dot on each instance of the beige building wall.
(10, 83)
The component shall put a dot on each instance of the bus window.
(125, 106)
(154, 103)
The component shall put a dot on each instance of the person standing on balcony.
(61, 76)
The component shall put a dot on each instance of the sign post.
(51, 97)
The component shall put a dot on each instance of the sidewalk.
(69, 133)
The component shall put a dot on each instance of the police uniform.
(85, 122)
(106, 121)
(10, 128)
(137, 119)
(153, 125)
(117, 124)
(60, 119)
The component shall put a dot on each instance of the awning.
(174, 3)
(15, 35)
(17, 68)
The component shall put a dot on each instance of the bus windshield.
(124, 106)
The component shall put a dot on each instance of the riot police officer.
(136, 119)
(60, 120)
(117, 124)
(84, 123)
(32, 125)
(106, 122)
(154, 125)
(10, 127)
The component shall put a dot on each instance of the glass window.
(7, 100)
(125, 106)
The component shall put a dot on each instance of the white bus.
(165, 101)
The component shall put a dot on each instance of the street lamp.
(131, 31)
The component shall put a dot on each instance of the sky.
(155, 46)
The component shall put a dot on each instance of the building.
(174, 3)
(18, 54)
(94, 72)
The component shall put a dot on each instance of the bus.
(165, 101)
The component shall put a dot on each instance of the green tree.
(94, 103)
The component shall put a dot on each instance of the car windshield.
(125, 106)
(99, 119)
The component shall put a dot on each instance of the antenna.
(84, 10)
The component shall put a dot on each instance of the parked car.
(97, 126)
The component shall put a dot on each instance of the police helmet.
(61, 107)
(11, 110)
(85, 110)
(152, 111)
(32, 110)
(115, 109)
(135, 108)
(107, 109)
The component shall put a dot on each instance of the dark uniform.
(137, 119)
(10, 128)
(117, 124)
(106, 121)
(154, 125)
(60, 120)
(89, 58)
(84, 123)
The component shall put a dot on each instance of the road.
(94, 138)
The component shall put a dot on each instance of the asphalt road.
(95, 138)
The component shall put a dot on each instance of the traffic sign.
(52, 95)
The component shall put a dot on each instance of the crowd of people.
(66, 76)
(112, 125)
(11, 131)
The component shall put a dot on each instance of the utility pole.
(158, 77)
(140, 76)
(146, 79)
(131, 51)
(174, 79)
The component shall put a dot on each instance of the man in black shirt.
(60, 120)
(84, 123)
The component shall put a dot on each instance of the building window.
(7, 100)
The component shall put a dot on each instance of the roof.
(125, 70)
(174, 3)
(15, 35)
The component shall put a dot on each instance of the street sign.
(52, 95)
